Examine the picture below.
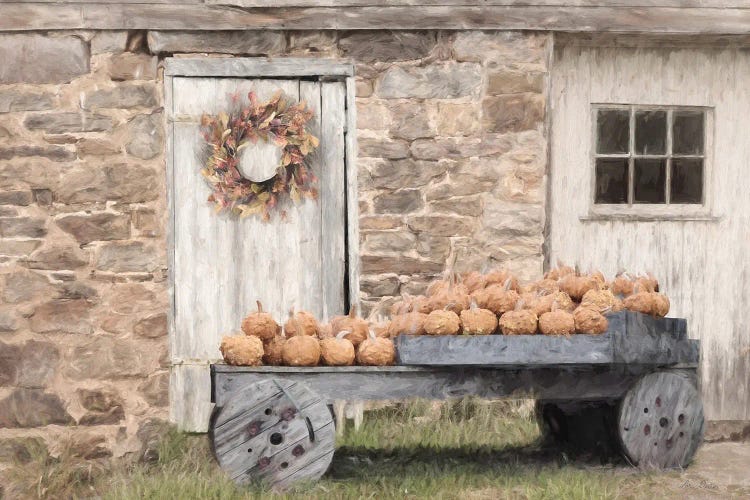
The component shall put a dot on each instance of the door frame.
(190, 378)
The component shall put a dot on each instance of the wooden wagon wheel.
(274, 431)
(660, 421)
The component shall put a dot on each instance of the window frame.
(648, 211)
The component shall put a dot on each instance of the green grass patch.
(469, 450)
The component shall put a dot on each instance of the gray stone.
(382, 286)
(399, 202)
(503, 48)
(111, 182)
(30, 227)
(446, 81)
(21, 198)
(410, 121)
(62, 316)
(513, 113)
(96, 147)
(382, 148)
(472, 177)
(146, 136)
(76, 290)
(470, 206)
(31, 172)
(146, 222)
(42, 197)
(130, 66)
(380, 264)
(68, 121)
(96, 227)
(38, 58)
(128, 257)
(384, 46)
(404, 173)
(457, 148)
(8, 321)
(512, 82)
(152, 327)
(109, 42)
(105, 407)
(457, 119)
(150, 433)
(37, 364)
(57, 257)
(54, 153)
(22, 285)
(12, 100)
(122, 97)
(250, 42)
(155, 390)
(22, 450)
(311, 42)
(390, 241)
(434, 248)
(372, 116)
(32, 408)
(107, 357)
(89, 447)
(380, 222)
(9, 355)
(503, 219)
(362, 88)
(441, 225)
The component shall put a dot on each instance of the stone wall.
(451, 130)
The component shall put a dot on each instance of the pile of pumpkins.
(564, 302)
(344, 341)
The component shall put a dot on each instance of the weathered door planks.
(701, 261)
(221, 264)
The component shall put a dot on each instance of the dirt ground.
(721, 470)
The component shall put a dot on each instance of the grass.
(468, 450)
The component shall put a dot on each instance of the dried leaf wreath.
(278, 121)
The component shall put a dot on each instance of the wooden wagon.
(275, 423)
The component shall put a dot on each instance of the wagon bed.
(643, 366)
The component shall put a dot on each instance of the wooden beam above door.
(657, 16)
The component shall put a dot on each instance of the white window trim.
(647, 211)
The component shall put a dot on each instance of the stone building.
(474, 130)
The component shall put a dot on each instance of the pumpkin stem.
(342, 334)
(371, 334)
(353, 311)
(260, 306)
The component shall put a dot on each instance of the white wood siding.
(702, 264)
(223, 264)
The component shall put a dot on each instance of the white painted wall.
(701, 259)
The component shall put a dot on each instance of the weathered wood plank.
(528, 3)
(257, 67)
(33, 16)
(352, 194)
(333, 196)
(660, 421)
(498, 350)
(277, 440)
(399, 382)
(190, 404)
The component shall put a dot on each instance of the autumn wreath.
(280, 122)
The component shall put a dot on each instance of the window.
(649, 155)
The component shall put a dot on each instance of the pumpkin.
(301, 350)
(502, 277)
(520, 322)
(473, 281)
(242, 350)
(641, 302)
(590, 321)
(577, 286)
(357, 327)
(542, 287)
(476, 321)
(407, 324)
(559, 272)
(599, 300)
(497, 298)
(374, 351)
(337, 351)
(660, 305)
(260, 324)
(557, 322)
(301, 323)
(442, 323)
(622, 285)
(272, 351)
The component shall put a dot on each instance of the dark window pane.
(687, 180)
(611, 180)
(649, 181)
(651, 132)
(612, 131)
(687, 133)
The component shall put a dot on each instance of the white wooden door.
(699, 254)
(223, 264)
